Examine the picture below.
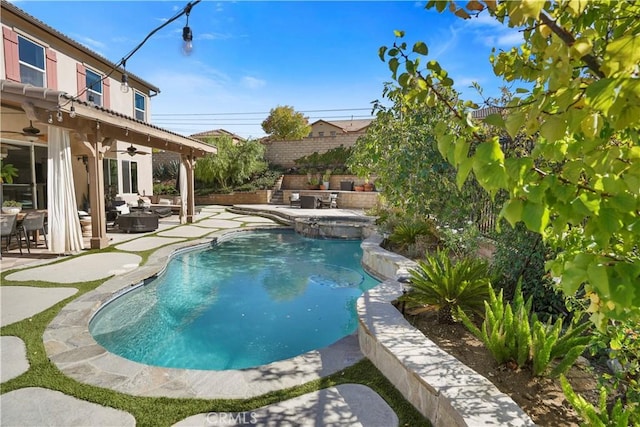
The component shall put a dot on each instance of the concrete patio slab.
(146, 243)
(34, 406)
(188, 231)
(21, 302)
(222, 223)
(13, 358)
(345, 405)
(80, 269)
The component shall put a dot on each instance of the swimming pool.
(256, 298)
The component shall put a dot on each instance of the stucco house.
(332, 128)
(63, 107)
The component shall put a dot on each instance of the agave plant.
(446, 285)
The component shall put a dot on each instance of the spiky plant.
(446, 285)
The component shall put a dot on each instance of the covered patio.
(81, 130)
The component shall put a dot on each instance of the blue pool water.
(257, 298)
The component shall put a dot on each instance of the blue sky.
(249, 57)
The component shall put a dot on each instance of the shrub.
(618, 414)
(513, 334)
(168, 189)
(406, 232)
(450, 287)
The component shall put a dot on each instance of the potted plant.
(368, 186)
(325, 179)
(314, 183)
(11, 207)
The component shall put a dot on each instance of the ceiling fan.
(132, 151)
(30, 132)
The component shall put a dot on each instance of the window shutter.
(11, 58)
(106, 93)
(81, 73)
(52, 69)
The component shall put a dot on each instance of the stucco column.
(188, 161)
(97, 145)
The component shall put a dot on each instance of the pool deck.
(71, 347)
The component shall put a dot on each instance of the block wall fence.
(284, 153)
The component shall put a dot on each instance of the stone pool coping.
(442, 388)
(72, 348)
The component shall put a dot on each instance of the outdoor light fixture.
(72, 111)
(187, 35)
(59, 116)
(124, 85)
(50, 119)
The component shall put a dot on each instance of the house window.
(129, 176)
(110, 178)
(32, 60)
(320, 134)
(333, 133)
(94, 87)
(140, 106)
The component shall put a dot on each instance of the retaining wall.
(441, 387)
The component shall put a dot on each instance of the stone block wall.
(284, 153)
(259, 197)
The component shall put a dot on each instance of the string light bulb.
(124, 85)
(72, 111)
(187, 35)
(50, 119)
(59, 116)
(124, 81)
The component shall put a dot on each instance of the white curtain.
(183, 193)
(65, 234)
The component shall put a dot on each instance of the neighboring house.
(332, 128)
(203, 136)
(50, 82)
(324, 135)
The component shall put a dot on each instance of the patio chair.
(33, 222)
(294, 200)
(8, 228)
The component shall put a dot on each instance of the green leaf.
(381, 52)
(514, 122)
(591, 125)
(601, 94)
(512, 211)
(398, 33)
(495, 120)
(609, 220)
(598, 278)
(393, 66)
(488, 165)
(553, 128)
(421, 48)
(535, 216)
(623, 54)
(463, 171)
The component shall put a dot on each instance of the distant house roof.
(69, 41)
(484, 112)
(216, 133)
(347, 125)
